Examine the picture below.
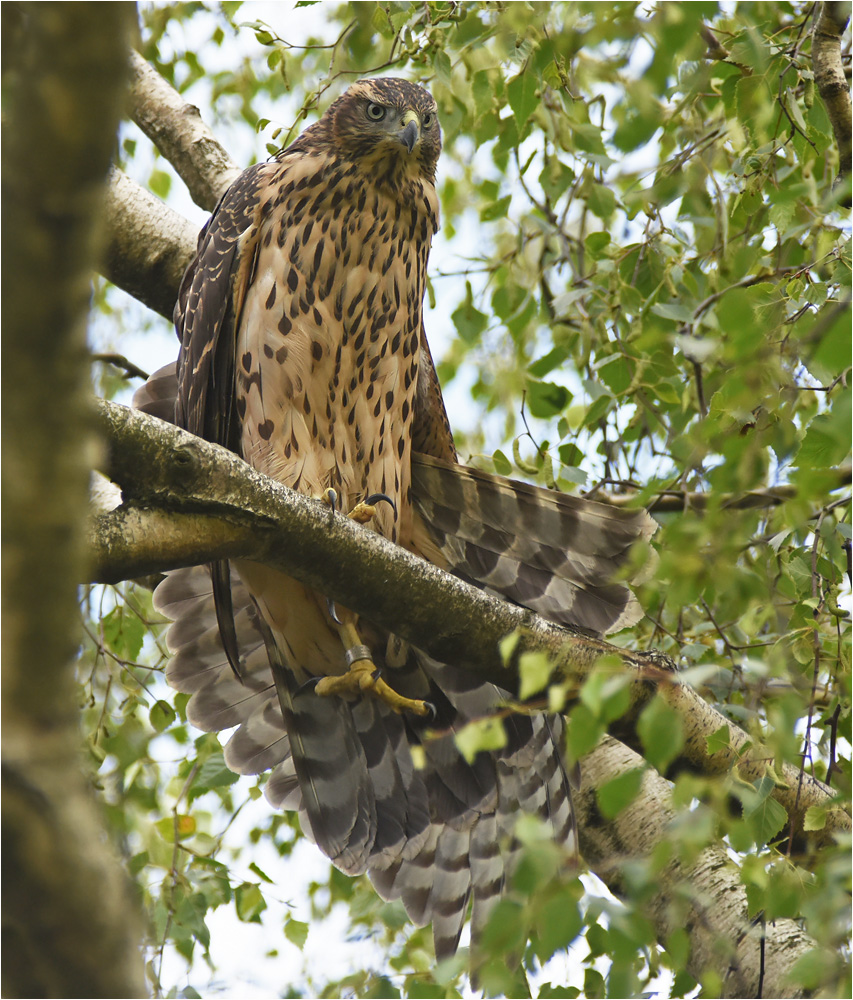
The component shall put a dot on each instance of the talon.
(333, 611)
(331, 498)
(310, 684)
(374, 499)
(365, 510)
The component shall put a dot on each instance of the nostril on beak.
(410, 135)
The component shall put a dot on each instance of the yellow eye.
(375, 112)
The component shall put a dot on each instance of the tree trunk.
(70, 924)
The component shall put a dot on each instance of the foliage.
(643, 284)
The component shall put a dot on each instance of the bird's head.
(390, 126)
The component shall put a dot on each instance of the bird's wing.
(206, 317)
(431, 434)
(207, 311)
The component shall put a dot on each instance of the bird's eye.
(375, 112)
(426, 121)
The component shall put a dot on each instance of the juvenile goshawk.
(303, 350)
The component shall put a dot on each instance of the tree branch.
(188, 501)
(830, 79)
(177, 130)
(149, 245)
(677, 501)
(704, 897)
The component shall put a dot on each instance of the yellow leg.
(362, 677)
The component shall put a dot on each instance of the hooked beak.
(411, 131)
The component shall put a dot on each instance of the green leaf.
(262, 875)
(767, 817)
(138, 862)
(521, 93)
(535, 671)
(548, 362)
(814, 968)
(249, 902)
(214, 773)
(607, 692)
(503, 466)
(720, 739)
(496, 209)
(661, 733)
(601, 201)
(616, 794)
(615, 373)
(555, 178)
(596, 244)
(481, 734)
(637, 128)
(443, 69)
(833, 353)
(674, 311)
(170, 826)
(827, 441)
(815, 818)
(508, 645)
(160, 183)
(548, 991)
(570, 454)
(557, 922)
(161, 716)
(124, 633)
(469, 321)
(583, 731)
(296, 931)
(547, 399)
(593, 985)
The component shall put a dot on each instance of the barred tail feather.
(556, 554)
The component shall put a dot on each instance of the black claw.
(333, 613)
(331, 497)
(377, 673)
(433, 711)
(308, 685)
(374, 498)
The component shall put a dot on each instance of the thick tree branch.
(149, 245)
(830, 79)
(704, 896)
(188, 501)
(177, 130)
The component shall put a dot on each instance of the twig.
(120, 361)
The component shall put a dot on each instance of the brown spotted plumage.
(302, 349)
